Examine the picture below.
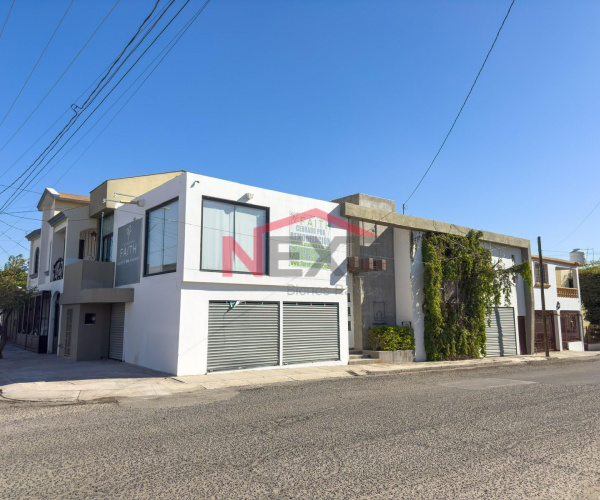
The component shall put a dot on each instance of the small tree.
(13, 291)
(589, 282)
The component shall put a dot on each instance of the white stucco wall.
(152, 320)
(283, 283)
(166, 327)
(553, 300)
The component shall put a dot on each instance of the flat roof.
(557, 261)
(394, 219)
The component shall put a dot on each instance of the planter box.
(392, 356)
(21, 339)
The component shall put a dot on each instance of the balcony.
(88, 281)
(567, 293)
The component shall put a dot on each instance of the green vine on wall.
(462, 285)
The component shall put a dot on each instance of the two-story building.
(189, 274)
(564, 325)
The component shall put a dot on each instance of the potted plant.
(392, 344)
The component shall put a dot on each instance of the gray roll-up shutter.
(310, 332)
(501, 333)
(242, 335)
(117, 331)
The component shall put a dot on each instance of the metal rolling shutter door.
(310, 332)
(501, 333)
(245, 336)
(117, 331)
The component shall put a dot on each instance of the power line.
(89, 100)
(168, 49)
(36, 64)
(172, 44)
(7, 16)
(49, 149)
(63, 74)
(178, 37)
(578, 225)
(462, 107)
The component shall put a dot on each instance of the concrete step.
(363, 361)
(360, 356)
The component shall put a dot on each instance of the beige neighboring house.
(564, 321)
(71, 264)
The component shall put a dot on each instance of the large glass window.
(161, 238)
(239, 221)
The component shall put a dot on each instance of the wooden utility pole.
(543, 296)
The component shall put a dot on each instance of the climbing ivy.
(462, 284)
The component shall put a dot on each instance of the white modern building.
(564, 324)
(188, 274)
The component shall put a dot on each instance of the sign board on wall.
(129, 253)
(310, 241)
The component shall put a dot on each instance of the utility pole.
(543, 296)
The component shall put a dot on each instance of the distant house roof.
(74, 198)
(34, 234)
(556, 261)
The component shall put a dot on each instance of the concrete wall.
(133, 186)
(166, 327)
(92, 340)
(152, 320)
(409, 271)
(284, 282)
(88, 342)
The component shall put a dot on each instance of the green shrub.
(391, 338)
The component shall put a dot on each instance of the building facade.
(187, 274)
(564, 321)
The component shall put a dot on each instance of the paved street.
(525, 431)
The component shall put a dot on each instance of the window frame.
(146, 234)
(36, 261)
(267, 210)
(543, 273)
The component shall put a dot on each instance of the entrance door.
(539, 331)
(117, 331)
(570, 327)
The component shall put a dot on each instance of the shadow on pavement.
(21, 366)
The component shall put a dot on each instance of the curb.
(522, 361)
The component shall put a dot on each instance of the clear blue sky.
(326, 98)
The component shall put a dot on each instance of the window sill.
(537, 285)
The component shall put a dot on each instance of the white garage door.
(242, 335)
(310, 332)
(501, 333)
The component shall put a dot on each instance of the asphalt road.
(507, 432)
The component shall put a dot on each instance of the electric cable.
(79, 109)
(172, 44)
(36, 64)
(61, 76)
(11, 197)
(7, 16)
(462, 107)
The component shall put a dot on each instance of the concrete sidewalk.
(25, 376)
